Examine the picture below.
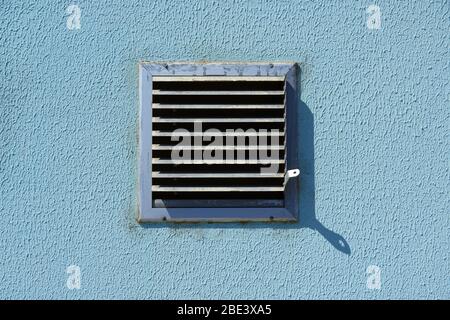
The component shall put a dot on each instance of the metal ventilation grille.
(255, 105)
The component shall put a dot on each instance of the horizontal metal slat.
(225, 161)
(158, 174)
(170, 147)
(218, 93)
(211, 120)
(216, 189)
(216, 78)
(211, 134)
(217, 106)
(214, 203)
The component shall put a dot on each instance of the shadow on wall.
(307, 214)
(307, 202)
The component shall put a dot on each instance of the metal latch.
(291, 174)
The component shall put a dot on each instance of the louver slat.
(216, 175)
(216, 189)
(212, 134)
(210, 120)
(217, 106)
(224, 161)
(249, 110)
(170, 147)
(207, 203)
(217, 78)
(217, 93)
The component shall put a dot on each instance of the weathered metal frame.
(147, 213)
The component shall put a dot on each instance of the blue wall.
(373, 138)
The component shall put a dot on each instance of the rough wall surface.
(373, 138)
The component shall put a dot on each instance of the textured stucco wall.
(373, 151)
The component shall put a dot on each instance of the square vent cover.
(218, 142)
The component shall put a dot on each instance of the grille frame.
(147, 212)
